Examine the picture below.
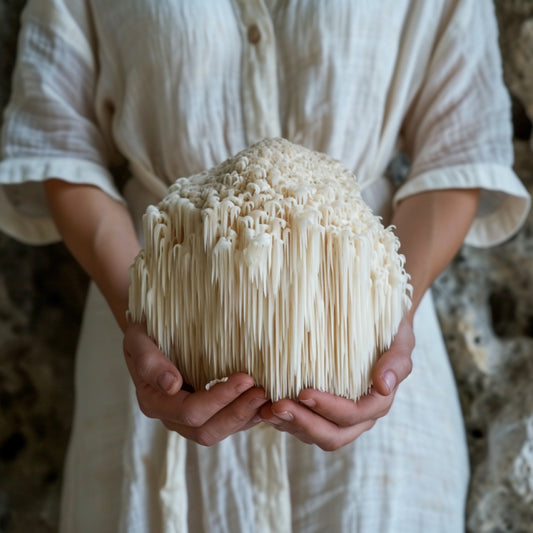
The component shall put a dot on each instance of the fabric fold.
(24, 213)
(503, 206)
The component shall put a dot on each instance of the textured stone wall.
(41, 296)
(485, 304)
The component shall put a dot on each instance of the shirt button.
(254, 35)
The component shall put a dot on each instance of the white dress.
(173, 87)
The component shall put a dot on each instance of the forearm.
(99, 233)
(431, 227)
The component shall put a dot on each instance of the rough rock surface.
(484, 301)
(41, 296)
(484, 304)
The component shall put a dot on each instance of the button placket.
(259, 71)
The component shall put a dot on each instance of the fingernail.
(390, 379)
(256, 419)
(286, 415)
(166, 381)
(309, 402)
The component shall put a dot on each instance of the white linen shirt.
(172, 87)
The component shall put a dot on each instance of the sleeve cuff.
(24, 213)
(504, 202)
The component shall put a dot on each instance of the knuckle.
(143, 366)
(352, 420)
(384, 411)
(368, 426)
(331, 444)
(205, 438)
(239, 417)
(192, 419)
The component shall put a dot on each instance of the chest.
(303, 35)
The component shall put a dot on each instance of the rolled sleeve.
(50, 127)
(504, 202)
(458, 131)
(24, 213)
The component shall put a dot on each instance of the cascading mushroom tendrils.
(272, 264)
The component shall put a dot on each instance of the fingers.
(209, 416)
(199, 407)
(310, 427)
(343, 412)
(160, 394)
(241, 414)
(330, 421)
(191, 409)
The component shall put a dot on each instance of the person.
(171, 88)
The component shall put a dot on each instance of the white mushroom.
(271, 264)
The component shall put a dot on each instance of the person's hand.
(332, 422)
(206, 416)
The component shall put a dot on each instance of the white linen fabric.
(173, 87)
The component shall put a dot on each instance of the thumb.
(395, 364)
(147, 364)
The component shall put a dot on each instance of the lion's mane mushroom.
(272, 264)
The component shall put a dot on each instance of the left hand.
(330, 421)
(205, 416)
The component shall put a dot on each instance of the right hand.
(205, 416)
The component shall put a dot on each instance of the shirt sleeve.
(458, 131)
(50, 127)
